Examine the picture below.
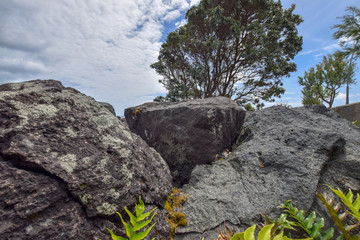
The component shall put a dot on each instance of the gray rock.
(108, 106)
(187, 133)
(284, 154)
(68, 164)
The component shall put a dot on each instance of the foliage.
(266, 233)
(227, 236)
(239, 49)
(309, 224)
(173, 205)
(323, 81)
(280, 225)
(352, 205)
(138, 222)
(309, 96)
(249, 107)
(348, 33)
(355, 122)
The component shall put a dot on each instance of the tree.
(349, 35)
(322, 82)
(240, 49)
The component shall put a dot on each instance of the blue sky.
(104, 48)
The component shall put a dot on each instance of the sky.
(104, 48)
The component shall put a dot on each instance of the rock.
(68, 164)
(283, 154)
(187, 133)
(108, 106)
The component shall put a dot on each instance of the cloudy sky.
(103, 48)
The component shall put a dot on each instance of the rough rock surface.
(67, 164)
(108, 106)
(284, 153)
(187, 133)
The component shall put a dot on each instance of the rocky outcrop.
(67, 164)
(108, 106)
(283, 153)
(187, 133)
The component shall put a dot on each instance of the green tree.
(240, 49)
(348, 34)
(322, 82)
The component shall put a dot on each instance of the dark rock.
(187, 133)
(68, 164)
(284, 154)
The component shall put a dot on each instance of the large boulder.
(67, 164)
(187, 133)
(283, 154)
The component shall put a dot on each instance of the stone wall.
(350, 112)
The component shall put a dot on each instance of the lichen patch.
(68, 162)
(107, 208)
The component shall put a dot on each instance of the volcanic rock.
(283, 154)
(67, 164)
(187, 133)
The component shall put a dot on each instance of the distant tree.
(348, 34)
(322, 82)
(249, 107)
(237, 48)
(309, 96)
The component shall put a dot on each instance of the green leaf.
(127, 226)
(132, 217)
(145, 215)
(341, 237)
(316, 229)
(279, 237)
(300, 215)
(309, 221)
(350, 196)
(327, 235)
(141, 235)
(238, 236)
(114, 236)
(356, 203)
(140, 225)
(249, 233)
(333, 215)
(140, 207)
(265, 232)
(347, 200)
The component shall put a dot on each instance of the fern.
(280, 225)
(353, 206)
(264, 234)
(137, 223)
(309, 224)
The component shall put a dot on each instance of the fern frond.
(309, 224)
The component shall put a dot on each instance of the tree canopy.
(348, 34)
(240, 49)
(322, 82)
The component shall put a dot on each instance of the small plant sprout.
(137, 222)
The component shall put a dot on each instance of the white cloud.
(341, 96)
(21, 66)
(104, 48)
(181, 23)
(328, 48)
